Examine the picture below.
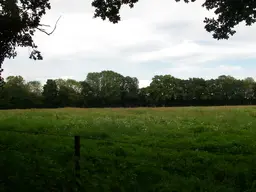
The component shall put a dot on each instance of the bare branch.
(44, 25)
(43, 30)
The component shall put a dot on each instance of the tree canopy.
(111, 89)
(19, 19)
(229, 14)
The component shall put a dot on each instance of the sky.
(154, 38)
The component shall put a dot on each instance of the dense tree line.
(110, 89)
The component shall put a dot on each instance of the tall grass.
(161, 149)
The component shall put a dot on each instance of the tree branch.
(44, 25)
(42, 30)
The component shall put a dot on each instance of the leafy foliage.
(19, 19)
(229, 14)
(50, 93)
(111, 89)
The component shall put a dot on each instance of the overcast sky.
(155, 37)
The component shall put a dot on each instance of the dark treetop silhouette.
(111, 89)
(19, 19)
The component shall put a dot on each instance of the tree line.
(111, 89)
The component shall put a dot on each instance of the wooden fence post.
(77, 162)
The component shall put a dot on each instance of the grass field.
(205, 149)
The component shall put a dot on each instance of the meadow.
(144, 149)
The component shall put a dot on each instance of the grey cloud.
(183, 29)
(67, 6)
(79, 64)
(173, 26)
(145, 47)
(76, 66)
(194, 29)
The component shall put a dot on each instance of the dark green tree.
(35, 87)
(87, 95)
(19, 19)
(94, 86)
(69, 92)
(163, 89)
(248, 89)
(16, 93)
(111, 89)
(50, 94)
(111, 85)
(229, 13)
(129, 91)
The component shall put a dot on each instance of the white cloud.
(185, 71)
(199, 71)
(152, 33)
(144, 83)
(192, 53)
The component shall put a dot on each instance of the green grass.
(162, 149)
